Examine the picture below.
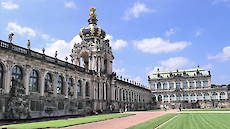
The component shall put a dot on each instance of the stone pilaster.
(42, 82)
(26, 78)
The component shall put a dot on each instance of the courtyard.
(171, 119)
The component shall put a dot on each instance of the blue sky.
(144, 34)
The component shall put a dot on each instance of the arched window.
(185, 84)
(70, 86)
(159, 98)
(79, 88)
(1, 76)
(33, 83)
(193, 97)
(172, 97)
(199, 96)
(171, 85)
(165, 86)
(87, 90)
(206, 96)
(178, 85)
(166, 98)
(222, 95)
(17, 73)
(48, 81)
(186, 97)
(214, 95)
(179, 97)
(158, 85)
(60, 85)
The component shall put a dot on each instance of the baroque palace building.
(35, 85)
(189, 88)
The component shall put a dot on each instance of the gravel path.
(122, 123)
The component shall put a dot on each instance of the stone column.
(90, 63)
(55, 76)
(188, 84)
(65, 88)
(75, 87)
(83, 88)
(7, 78)
(162, 87)
(102, 64)
(42, 82)
(181, 85)
(99, 64)
(167, 85)
(202, 83)
(195, 83)
(26, 78)
(174, 84)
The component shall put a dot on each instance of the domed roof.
(92, 31)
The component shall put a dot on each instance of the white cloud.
(208, 67)
(137, 79)
(70, 4)
(159, 45)
(170, 32)
(9, 5)
(25, 31)
(117, 44)
(137, 10)
(222, 56)
(63, 47)
(119, 71)
(172, 64)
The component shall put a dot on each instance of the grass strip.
(150, 124)
(66, 122)
(217, 109)
(199, 121)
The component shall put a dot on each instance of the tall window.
(79, 88)
(185, 84)
(48, 81)
(1, 76)
(165, 85)
(171, 85)
(70, 85)
(60, 85)
(87, 89)
(205, 83)
(17, 73)
(158, 85)
(191, 84)
(33, 83)
(178, 85)
(198, 83)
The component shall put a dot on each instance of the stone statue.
(56, 53)
(43, 50)
(66, 58)
(70, 91)
(28, 44)
(10, 37)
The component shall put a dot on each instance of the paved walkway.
(122, 123)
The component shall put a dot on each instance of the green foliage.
(65, 122)
(150, 124)
(199, 121)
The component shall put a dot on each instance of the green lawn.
(217, 109)
(150, 124)
(66, 122)
(199, 121)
